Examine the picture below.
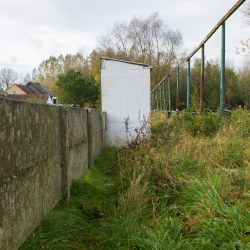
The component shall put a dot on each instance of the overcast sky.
(33, 30)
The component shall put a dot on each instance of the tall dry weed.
(137, 195)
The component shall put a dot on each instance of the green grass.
(82, 223)
(187, 187)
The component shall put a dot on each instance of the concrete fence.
(42, 149)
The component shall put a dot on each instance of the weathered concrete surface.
(104, 126)
(30, 176)
(96, 128)
(77, 145)
(42, 148)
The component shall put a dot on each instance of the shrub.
(195, 124)
(36, 100)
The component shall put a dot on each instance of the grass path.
(187, 187)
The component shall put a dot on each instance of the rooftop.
(42, 89)
(136, 63)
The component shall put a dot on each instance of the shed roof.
(136, 63)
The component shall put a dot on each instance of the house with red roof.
(17, 89)
(30, 90)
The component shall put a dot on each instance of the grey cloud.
(40, 28)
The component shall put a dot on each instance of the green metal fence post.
(169, 94)
(188, 86)
(202, 79)
(223, 59)
(153, 100)
(157, 99)
(161, 97)
(177, 98)
(164, 93)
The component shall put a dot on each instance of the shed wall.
(125, 92)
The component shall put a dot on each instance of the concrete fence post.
(90, 153)
(96, 133)
(65, 189)
(103, 130)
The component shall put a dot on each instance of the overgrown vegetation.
(36, 100)
(186, 187)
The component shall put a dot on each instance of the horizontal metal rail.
(159, 83)
(230, 12)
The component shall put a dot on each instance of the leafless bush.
(142, 132)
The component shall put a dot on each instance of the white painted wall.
(125, 92)
(52, 100)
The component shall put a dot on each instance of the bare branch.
(146, 40)
(7, 77)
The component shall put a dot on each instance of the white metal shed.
(125, 92)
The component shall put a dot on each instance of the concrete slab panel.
(47, 147)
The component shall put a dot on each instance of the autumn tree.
(48, 70)
(94, 64)
(146, 40)
(212, 73)
(77, 89)
(7, 78)
(244, 81)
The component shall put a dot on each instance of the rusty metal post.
(188, 86)
(223, 59)
(177, 98)
(202, 80)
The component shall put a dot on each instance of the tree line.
(237, 87)
(149, 40)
